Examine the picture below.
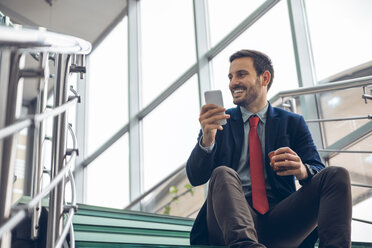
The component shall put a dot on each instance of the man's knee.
(223, 173)
(338, 176)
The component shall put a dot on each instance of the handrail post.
(39, 137)
(56, 200)
(11, 109)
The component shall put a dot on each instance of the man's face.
(246, 88)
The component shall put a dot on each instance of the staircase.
(107, 227)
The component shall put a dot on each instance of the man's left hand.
(286, 162)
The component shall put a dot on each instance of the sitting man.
(252, 201)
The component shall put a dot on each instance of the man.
(252, 201)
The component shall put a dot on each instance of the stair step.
(119, 228)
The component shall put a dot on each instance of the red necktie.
(259, 197)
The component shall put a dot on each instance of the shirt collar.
(261, 114)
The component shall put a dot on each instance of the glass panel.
(168, 44)
(341, 34)
(170, 133)
(360, 168)
(108, 177)
(260, 37)
(108, 87)
(225, 15)
(362, 231)
(341, 104)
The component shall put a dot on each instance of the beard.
(251, 95)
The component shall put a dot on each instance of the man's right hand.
(210, 114)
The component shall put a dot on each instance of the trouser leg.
(230, 219)
(325, 201)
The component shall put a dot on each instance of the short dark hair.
(261, 62)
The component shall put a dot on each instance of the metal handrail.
(17, 218)
(40, 40)
(338, 85)
(342, 151)
(353, 118)
(364, 221)
(362, 185)
(73, 208)
(35, 119)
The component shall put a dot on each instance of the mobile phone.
(215, 97)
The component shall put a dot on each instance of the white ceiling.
(87, 19)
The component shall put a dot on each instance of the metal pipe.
(364, 221)
(8, 145)
(342, 151)
(17, 218)
(36, 119)
(369, 117)
(57, 110)
(14, 128)
(31, 40)
(339, 85)
(362, 185)
(55, 215)
(68, 225)
(12, 222)
(39, 134)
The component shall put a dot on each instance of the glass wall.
(107, 108)
(224, 16)
(108, 87)
(341, 34)
(271, 34)
(168, 44)
(108, 177)
(170, 132)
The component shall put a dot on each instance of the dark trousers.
(324, 202)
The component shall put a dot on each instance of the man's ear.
(266, 76)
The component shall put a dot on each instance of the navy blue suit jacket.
(283, 129)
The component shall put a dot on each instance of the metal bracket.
(366, 96)
(32, 73)
(289, 104)
(67, 208)
(69, 151)
(78, 69)
(76, 95)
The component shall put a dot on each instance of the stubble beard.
(250, 96)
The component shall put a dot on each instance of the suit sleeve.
(200, 164)
(305, 147)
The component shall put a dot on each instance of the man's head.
(261, 62)
(250, 76)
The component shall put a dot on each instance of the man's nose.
(233, 81)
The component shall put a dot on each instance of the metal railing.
(66, 53)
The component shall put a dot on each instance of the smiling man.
(252, 201)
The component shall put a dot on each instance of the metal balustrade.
(66, 53)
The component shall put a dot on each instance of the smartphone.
(215, 97)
